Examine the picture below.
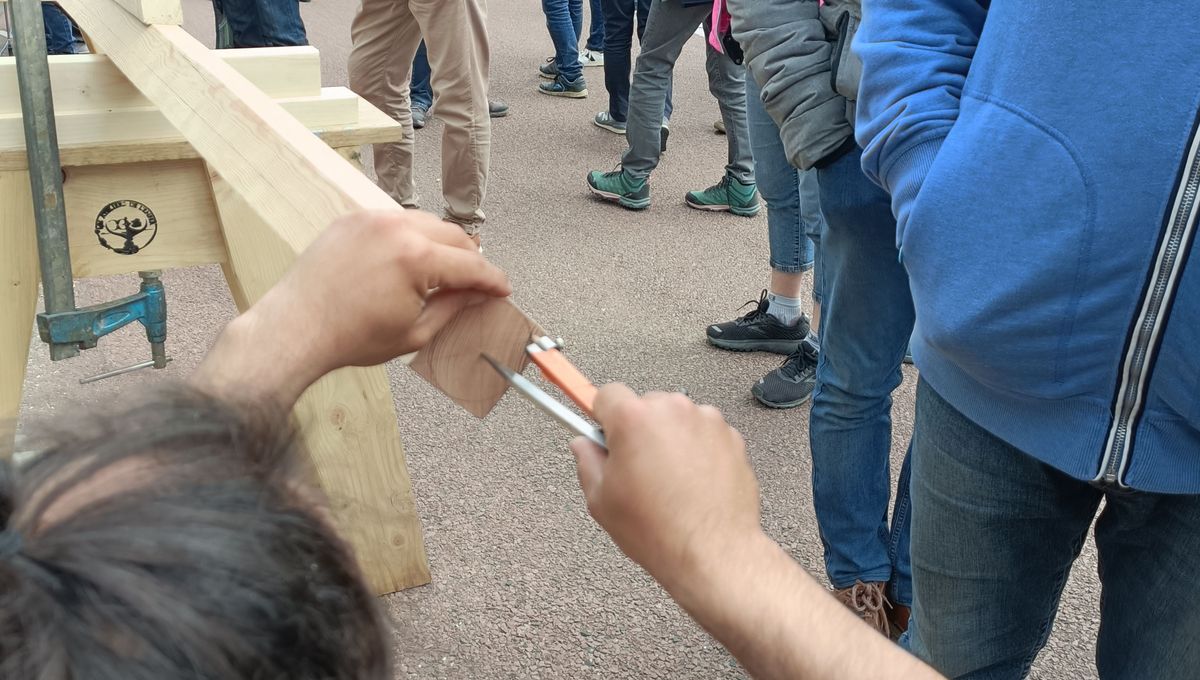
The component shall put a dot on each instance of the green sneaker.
(619, 186)
(728, 194)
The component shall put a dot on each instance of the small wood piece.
(167, 12)
(185, 231)
(347, 418)
(18, 295)
(496, 328)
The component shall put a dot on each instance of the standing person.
(794, 224)
(386, 35)
(259, 23)
(564, 20)
(422, 92)
(619, 17)
(867, 310)
(669, 25)
(1060, 374)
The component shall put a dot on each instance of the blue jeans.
(421, 92)
(564, 20)
(866, 319)
(994, 533)
(595, 41)
(792, 196)
(619, 17)
(263, 23)
(60, 33)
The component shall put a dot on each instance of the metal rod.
(45, 170)
(123, 371)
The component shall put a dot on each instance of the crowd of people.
(1009, 191)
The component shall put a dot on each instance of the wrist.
(711, 566)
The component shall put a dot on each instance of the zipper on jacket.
(1146, 331)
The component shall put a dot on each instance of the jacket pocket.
(845, 67)
(997, 247)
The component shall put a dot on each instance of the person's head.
(170, 539)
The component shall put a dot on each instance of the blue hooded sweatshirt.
(1042, 161)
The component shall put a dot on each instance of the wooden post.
(18, 295)
(347, 418)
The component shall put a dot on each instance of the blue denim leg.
(619, 21)
(595, 41)
(421, 91)
(60, 36)
(1149, 548)
(994, 533)
(866, 319)
(564, 21)
(264, 23)
(793, 203)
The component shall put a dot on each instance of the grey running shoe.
(561, 87)
(758, 331)
(548, 70)
(791, 384)
(419, 115)
(605, 120)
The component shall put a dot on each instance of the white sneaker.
(590, 58)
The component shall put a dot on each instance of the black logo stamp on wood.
(126, 227)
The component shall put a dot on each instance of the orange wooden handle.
(563, 373)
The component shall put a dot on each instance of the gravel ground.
(525, 584)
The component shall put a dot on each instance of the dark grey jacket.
(799, 54)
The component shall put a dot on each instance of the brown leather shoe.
(898, 616)
(868, 602)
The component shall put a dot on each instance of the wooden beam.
(91, 82)
(293, 182)
(347, 418)
(167, 12)
(373, 127)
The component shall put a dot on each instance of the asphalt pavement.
(525, 584)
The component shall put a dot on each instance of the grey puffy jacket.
(799, 54)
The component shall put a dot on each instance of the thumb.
(589, 465)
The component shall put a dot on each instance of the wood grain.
(154, 11)
(496, 328)
(18, 294)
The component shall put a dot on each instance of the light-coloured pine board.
(90, 82)
(334, 107)
(347, 418)
(18, 294)
(176, 192)
(373, 127)
(167, 12)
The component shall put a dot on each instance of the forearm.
(256, 359)
(780, 623)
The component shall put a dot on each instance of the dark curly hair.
(171, 538)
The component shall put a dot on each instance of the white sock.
(786, 309)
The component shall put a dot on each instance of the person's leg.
(264, 23)
(868, 315)
(595, 41)
(618, 46)
(59, 38)
(727, 83)
(459, 59)
(422, 91)
(384, 37)
(1149, 548)
(994, 534)
(560, 24)
(667, 30)
(643, 16)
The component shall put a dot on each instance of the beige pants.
(385, 36)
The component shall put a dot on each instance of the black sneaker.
(793, 382)
(758, 331)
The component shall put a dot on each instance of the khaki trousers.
(385, 36)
